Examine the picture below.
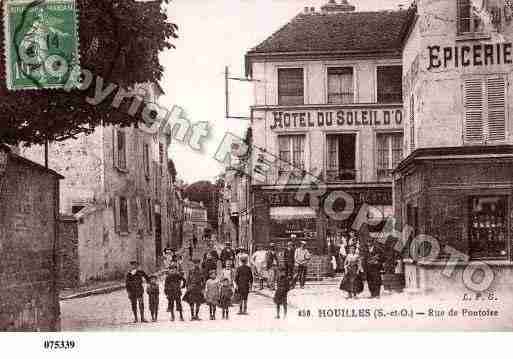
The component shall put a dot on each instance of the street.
(320, 306)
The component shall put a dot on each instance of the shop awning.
(291, 213)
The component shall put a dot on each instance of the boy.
(212, 293)
(153, 295)
(282, 289)
(244, 283)
(173, 286)
(225, 297)
(135, 290)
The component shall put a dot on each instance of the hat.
(289, 243)
(303, 242)
(134, 263)
(228, 243)
(195, 261)
(271, 244)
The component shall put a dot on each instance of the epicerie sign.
(481, 54)
(352, 118)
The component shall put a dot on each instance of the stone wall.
(28, 247)
(69, 262)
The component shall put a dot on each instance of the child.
(212, 293)
(173, 290)
(225, 297)
(228, 272)
(153, 293)
(194, 294)
(282, 289)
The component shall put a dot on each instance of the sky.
(214, 34)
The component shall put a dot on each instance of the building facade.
(29, 245)
(327, 124)
(116, 185)
(195, 220)
(455, 184)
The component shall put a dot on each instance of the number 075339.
(59, 344)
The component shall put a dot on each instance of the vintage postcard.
(259, 166)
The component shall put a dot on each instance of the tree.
(120, 41)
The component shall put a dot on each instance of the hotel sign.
(389, 117)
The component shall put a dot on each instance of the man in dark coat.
(227, 254)
(373, 265)
(243, 282)
(288, 255)
(194, 241)
(209, 264)
(135, 290)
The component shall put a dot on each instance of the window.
(161, 159)
(291, 150)
(488, 227)
(412, 123)
(468, 20)
(340, 85)
(146, 160)
(121, 149)
(149, 215)
(485, 109)
(389, 154)
(341, 157)
(121, 214)
(390, 84)
(290, 86)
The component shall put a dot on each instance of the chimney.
(332, 7)
(307, 10)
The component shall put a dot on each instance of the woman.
(352, 282)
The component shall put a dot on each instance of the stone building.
(116, 185)
(195, 220)
(328, 110)
(456, 181)
(29, 245)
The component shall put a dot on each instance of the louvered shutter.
(412, 123)
(496, 98)
(473, 93)
(115, 153)
(116, 209)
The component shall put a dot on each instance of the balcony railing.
(341, 175)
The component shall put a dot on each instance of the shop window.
(290, 86)
(341, 157)
(485, 109)
(291, 150)
(389, 154)
(468, 19)
(488, 227)
(340, 85)
(390, 84)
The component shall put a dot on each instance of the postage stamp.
(41, 43)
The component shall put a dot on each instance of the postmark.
(42, 43)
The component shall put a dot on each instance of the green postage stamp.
(42, 43)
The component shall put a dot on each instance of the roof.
(348, 32)
(28, 162)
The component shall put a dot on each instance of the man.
(227, 254)
(194, 241)
(243, 283)
(302, 257)
(212, 251)
(135, 290)
(374, 263)
(272, 265)
(288, 255)
(209, 264)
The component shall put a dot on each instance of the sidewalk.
(96, 288)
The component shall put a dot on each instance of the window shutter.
(496, 98)
(473, 90)
(412, 123)
(117, 219)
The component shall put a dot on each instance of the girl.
(282, 289)
(352, 282)
(225, 296)
(212, 293)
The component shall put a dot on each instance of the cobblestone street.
(319, 306)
